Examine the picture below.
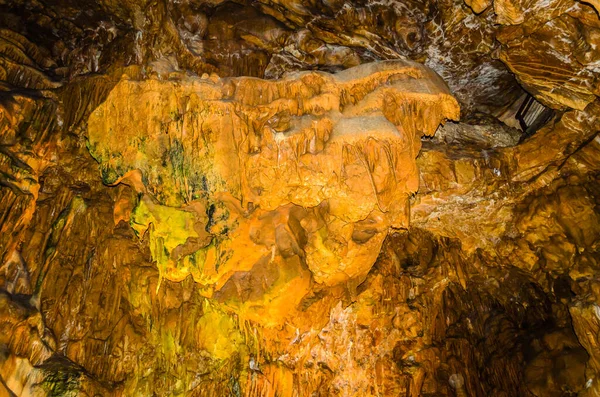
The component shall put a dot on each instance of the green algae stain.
(62, 378)
(176, 155)
(169, 228)
(61, 384)
(172, 226)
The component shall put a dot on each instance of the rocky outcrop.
(314, 168)
(211, 198)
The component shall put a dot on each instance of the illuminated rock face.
(180, 215)
(237, 174)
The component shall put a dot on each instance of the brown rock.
(303, 234)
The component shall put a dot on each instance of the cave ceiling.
(300, 198)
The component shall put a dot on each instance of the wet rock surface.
(212, 198)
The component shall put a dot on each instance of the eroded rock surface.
(211, 198)
(317, 166)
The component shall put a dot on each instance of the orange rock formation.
(283, 198)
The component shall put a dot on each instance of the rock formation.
(285, 198)
(236, 171)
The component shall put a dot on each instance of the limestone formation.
(299, 198)
(236, 170)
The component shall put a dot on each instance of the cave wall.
(218, 198)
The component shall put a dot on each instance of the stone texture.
(237, 170)
(169, 223)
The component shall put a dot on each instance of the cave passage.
(300, 198)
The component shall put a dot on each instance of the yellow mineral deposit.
(293, 198)
(321, 165)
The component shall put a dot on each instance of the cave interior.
(286, 198)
